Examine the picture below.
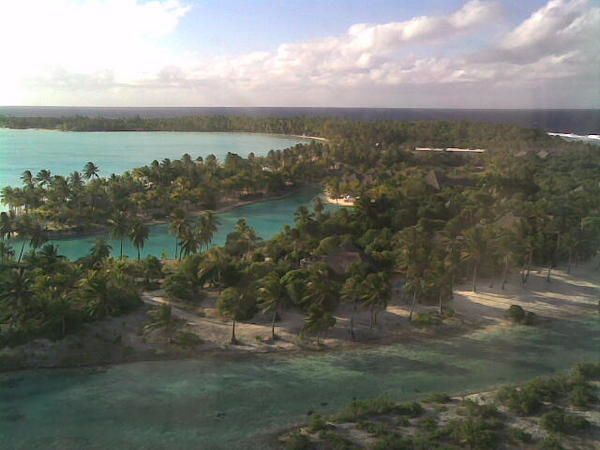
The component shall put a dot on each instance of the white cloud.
(113, 52)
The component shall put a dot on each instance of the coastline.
(59, 235)
(300, 136)
(570, 298)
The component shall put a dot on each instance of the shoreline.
(300, 136)
(569, 299)
(64, 235)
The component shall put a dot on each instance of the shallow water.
(116, 152)
(266, 217)
(235, 402)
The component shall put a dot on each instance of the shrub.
(427, 319)
(521, 435)
(484, 411)
(298, 441)
(362, 408)
(515, 313)
(393, 442)
(316, 423)
(551, 443)
(520, 401)
(474, 432)
(376, 428)
(587, 371)
(411, 409)
(557, 421)
(187, 339)
(582, 395)
(333, 441)
(439, 398)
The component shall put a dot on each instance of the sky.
(329, 53)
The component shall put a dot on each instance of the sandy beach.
(120, 339)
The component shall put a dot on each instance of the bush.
(474, 432)
(484, 411)
(316, 423)
(363, 408)
(557, 421)
(515, 313)
(582, 395)
(587, 371)
(439, 398)
(551, 443)
(187, 339)
(298, 441)
(427, 319)
(520, 401)
(410, 409)
(393, 442)
(333, 441)
(521, 435)
(376, 428)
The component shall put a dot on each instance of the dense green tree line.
(423, 221)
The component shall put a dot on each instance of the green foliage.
(333, 441)
(474, 432)
(587, 371)
(316, 423)
(187, 339)
(520, 435)
(438, 397)
(298, 441)
(394, 442)
(517, 314)
(379, 406)
(185, 282)
(426, 319)
(557, 421)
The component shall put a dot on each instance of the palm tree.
(375, 294)
(213, 265)
(49, 255)
(44, 177)
(319, 207)
(178, 225)
(415, 286)
(90, 170)
(15, 291)
(320, 290)
(100, 251)
(7, 224)
(230, 306)
(303, 218)
(139, 235)
(6, 252)
(209, 224)
(95, 289)
(270, 296)
(190, 242)
(351, 293)
(318, 320)
(477, 246)
(27, 178)
(161, 317)
(119, 227)
(37, 235)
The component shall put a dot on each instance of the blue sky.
(373, 53)
(237, 26)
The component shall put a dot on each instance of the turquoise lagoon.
(267, 217)
(116, 152)
(228, 402)
(62, 152)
